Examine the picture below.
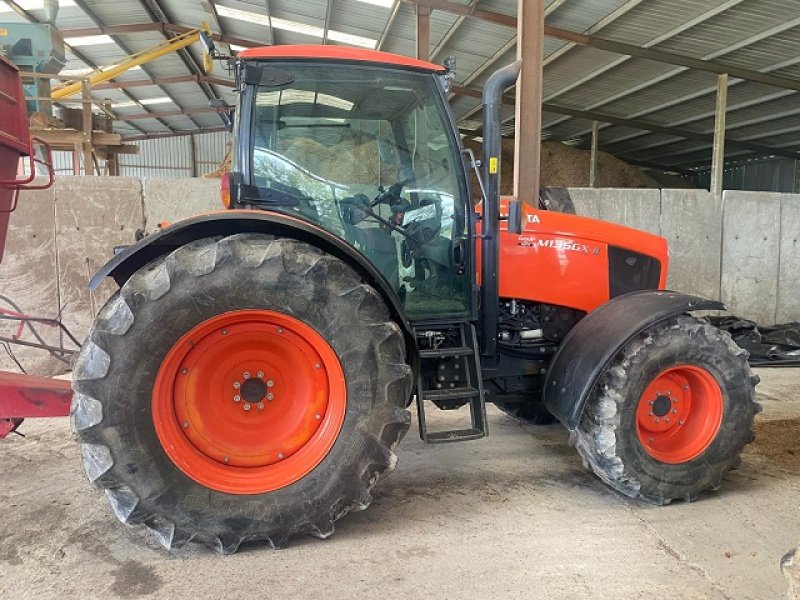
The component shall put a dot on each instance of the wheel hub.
(253, 390)
(679, 414)
(661, 406)
(229, 425)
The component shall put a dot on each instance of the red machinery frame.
(22, 396)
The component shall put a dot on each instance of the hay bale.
(567, 166)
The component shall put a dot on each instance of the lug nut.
(270, 396)
(246, 374)
(658, 420)
(674, 411)
(650, 413)
(669, 393)
(260, 374)
(246, 407)
(236, 385)
(260, 406)
(270, 383)
(237, 398)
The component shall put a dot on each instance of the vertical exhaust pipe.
(493, 91)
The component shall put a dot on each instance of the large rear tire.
(671, 414)
(243, 388)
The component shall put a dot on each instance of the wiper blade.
(270, 196)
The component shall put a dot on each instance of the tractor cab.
(366, 150)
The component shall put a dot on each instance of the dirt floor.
(512, 516)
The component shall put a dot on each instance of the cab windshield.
(367, 153)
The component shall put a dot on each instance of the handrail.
(26, 184)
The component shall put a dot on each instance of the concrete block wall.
(743, 249)
(761, 255)
(58, 238)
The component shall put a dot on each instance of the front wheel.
(671, 414)
(242, 388)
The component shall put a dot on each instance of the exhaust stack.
(492, 147)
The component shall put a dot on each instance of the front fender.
(230, 222)
(591, 345)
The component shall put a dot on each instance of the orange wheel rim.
(249, 401)
(679, 414)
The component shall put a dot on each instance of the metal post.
(88, 163)
(193, 155)
(112, 166)
(423, 35)
(528, 119)
(593, 160)
(718, 156)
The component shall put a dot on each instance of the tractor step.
(456, 435)
(444, 352)
(451, 393)
(450, 377)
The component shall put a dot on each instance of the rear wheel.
(241, 389)
(671, 415)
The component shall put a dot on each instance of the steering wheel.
(391, 195)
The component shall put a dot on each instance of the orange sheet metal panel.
(562, 259)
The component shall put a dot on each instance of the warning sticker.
(493, 165)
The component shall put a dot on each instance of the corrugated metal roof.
(760, 35)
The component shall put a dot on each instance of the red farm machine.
(252, 376)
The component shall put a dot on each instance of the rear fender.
(230, 222)
(592, 344)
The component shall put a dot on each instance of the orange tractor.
(253, 375)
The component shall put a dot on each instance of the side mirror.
(515, 216)
(224, 111)
(208, 44)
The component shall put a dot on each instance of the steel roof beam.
(605, 21)
(660, 56)
(156, 13)
(654, 42)
(96, 20)
(728, 49)
(169, 113)
(153, 136)
(637, 124)
(122, 85)
(450, 32)
(389, 22)
(160, 27)
(327, 27)
(268, 8)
